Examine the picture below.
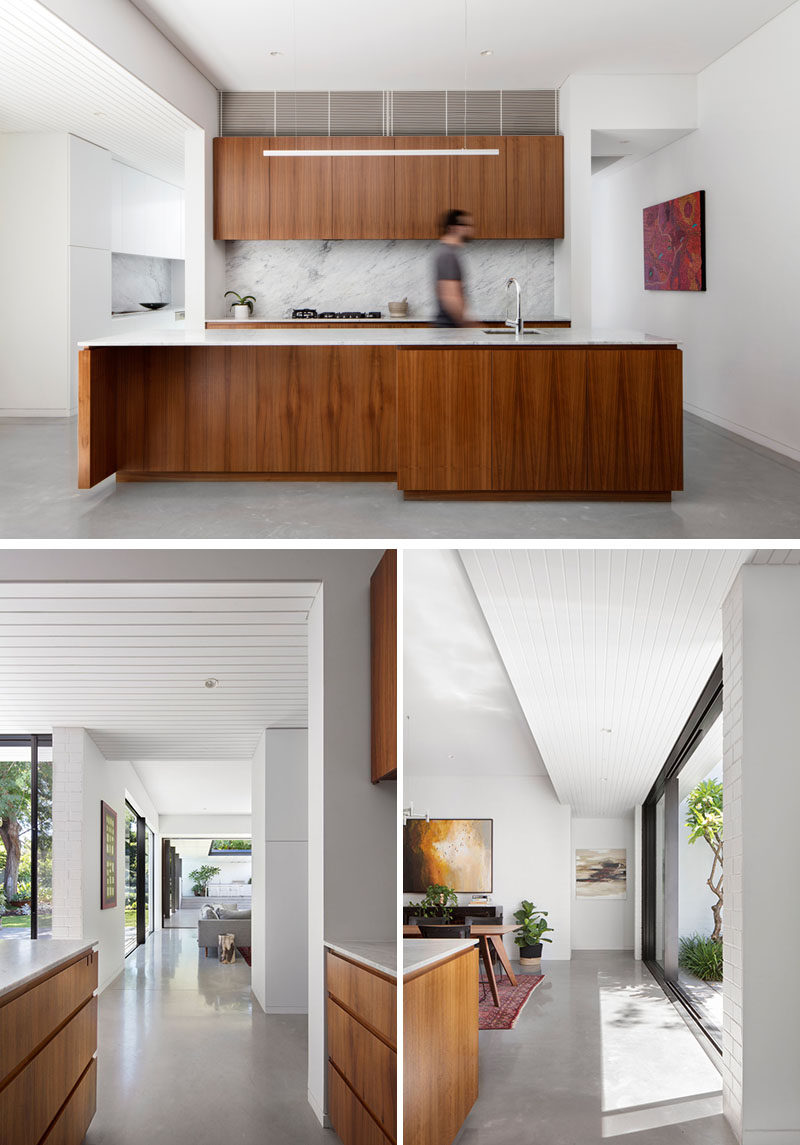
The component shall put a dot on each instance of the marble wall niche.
(139, 278)
(367, 275)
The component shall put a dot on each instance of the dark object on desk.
(459, 914)
(439, 930)
(152, 305)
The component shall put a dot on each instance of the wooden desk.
(488, 936)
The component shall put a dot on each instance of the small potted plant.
(437, 905)
(529, 938)
(201, 878)
(242, 306)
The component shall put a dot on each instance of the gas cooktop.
(340, 314)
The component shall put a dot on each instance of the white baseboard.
(319, 1113)
(743, 431)
(37, 413)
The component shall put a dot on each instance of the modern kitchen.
(242, 230)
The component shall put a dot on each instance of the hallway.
(598, 1052)
(184, 1056)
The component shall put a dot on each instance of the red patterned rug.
(512, 999)
(245, 953)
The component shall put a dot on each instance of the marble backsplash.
(367, 275)
(139, 278)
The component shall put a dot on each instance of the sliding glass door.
(26, 836)
(138, 879)
(682, 866)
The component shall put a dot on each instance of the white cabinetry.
(147, 214)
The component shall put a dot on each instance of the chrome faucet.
(516, 322)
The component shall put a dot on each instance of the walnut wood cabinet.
(383, 647)
(517, 194)
(362, 1053)
(48, 1041)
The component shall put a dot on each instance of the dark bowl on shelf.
(153, 305)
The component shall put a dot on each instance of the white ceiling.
(355, 45)
(197, 786)
(623, 148)
(457, 697)
(198, 849)
(53, 80)
(618, 639)
(128, 662)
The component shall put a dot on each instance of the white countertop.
(22, 960)
(421, 952)
(378, 337)
(380, 956)
(377, 321)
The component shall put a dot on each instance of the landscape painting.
(447, 852)
(674, 244)
(601, 874)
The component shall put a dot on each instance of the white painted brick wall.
(68, 751)
(732, 621)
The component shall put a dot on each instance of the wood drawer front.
(351, 1121)
(371, 998)
(31, 1101)
(74, 1119)
(368, 1064)
(31, 1017)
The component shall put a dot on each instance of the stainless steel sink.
(509, 331)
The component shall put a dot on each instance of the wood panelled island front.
(444, 414)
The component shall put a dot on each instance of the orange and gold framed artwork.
(448, 852)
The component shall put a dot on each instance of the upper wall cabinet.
(146, 214)
(516, 194)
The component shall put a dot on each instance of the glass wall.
(682, 907)
(131, 898)
(26, 833)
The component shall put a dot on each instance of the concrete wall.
(740, 360)
(82, 777)
(531, 841)
(599, 924)
(761, 721)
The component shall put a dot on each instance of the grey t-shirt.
(448, 269)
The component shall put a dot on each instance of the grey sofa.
(209, 930)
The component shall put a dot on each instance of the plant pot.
(531, 956)
(241, 312)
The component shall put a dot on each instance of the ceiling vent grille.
(388, 113)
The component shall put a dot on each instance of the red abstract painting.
(674, 244)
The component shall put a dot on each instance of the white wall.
(119, 29)
(761, 720)
(615, 104)
(231, 870)
(599, 924)
(740, 353)
(228, 826)
(531, 841)
(280, 875)
(82, 778)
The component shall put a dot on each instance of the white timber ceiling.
(608, 652)
(129, 662)
(54, 80)
(355, 45)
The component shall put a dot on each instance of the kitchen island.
(467, 413)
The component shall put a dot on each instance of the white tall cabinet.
(146, 214)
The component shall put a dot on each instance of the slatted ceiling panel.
(129, 661)
(619, 639)
(484, 113)
(777, 557)
(530, 112)
(302, 113)
(247, 113)
(52, 79)
(419, 113)
(357, 112)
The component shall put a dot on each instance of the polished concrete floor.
(183, 919)
(185, 1058)
(734, 488)
(598, 1052)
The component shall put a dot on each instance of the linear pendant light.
(341, 152)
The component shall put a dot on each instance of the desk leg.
(499, 945)
(487, 962)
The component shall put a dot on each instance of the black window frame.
(704, 715)
(34, 742)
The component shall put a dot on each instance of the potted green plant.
(202, 877)
(530, 936)
(438, 903)
(242, 306)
